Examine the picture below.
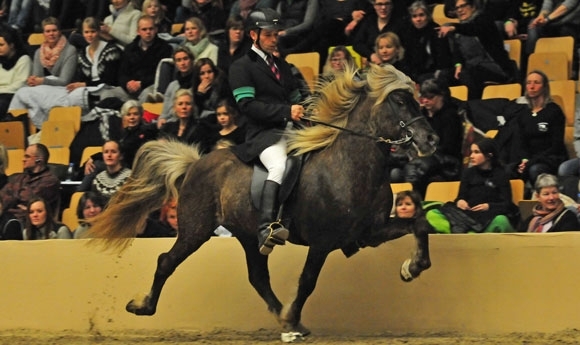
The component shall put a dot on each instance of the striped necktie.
(273, 66)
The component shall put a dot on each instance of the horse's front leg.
(421, 261)
(166, 265)
(420, 228)
(291, 317)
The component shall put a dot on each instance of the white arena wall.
(478, 283)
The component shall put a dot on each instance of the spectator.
(408, 205)
(243, 7)
(484, 201)
(550, 214)
(556, 18)
(229, 133)
(374, 24)
(541, 132)
(185, 128)
(121, 26)
(183, 62)
(90, 205)
(445, 163)
(210, 12)
(153, 9)
(519, 16)
(427, 55)
(389, 50)
(478, 52)
(40, 223)
(108, 182)
(336, 26)
(336, 62)
(130, 130)
(267, 93)
(139, 63)
(15, 66)
(35, 180)
(3, 166)
(298, 17)
(197, 40)
(20, 11)
(209, 85)
(55, 63)
(235, 45)
(163, 223)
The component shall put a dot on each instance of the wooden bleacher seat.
(59, 155)
(459, 92)
(401, 186)
(566, 89)
(307, 62)
(554, 64)
(57, 133)
(439, 16)
(442, 191)
(514, 49)
(176, 28)
(517, 187)
(12, 135)
(35, 38)
(15, 164)
(564, 44)
(69, 218)
(509, 91)
(89, 151)
(73, 114)
(74, 200)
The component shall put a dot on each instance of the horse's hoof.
(290, 337)
(406, 274)
(140, 306)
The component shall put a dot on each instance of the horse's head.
(396, 116)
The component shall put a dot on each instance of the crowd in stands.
(111, 57)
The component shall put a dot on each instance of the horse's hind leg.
(292, 315)
(166, 264)
(421, 261)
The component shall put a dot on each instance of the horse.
(342, 196)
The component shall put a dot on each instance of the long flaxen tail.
(156, 177)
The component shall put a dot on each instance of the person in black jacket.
(267, 94)
(139, 63)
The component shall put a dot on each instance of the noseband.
(404, 126)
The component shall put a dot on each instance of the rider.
(268, 95)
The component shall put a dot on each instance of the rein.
(408, 136)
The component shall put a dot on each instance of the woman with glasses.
(427, 55)
(375, 23)
(479, 54)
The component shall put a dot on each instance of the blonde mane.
(336, 99)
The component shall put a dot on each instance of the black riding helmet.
(263, 18)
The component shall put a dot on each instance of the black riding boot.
(270, 230)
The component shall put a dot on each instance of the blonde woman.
(197, 40)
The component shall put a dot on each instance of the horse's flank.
(335, 100)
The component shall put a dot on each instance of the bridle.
(404, 126)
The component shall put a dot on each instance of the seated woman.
(108, 182)
(188, 128)
(478, 51)
(55, 64)
(121, 26)
(162, 223)
(541, 132)
(209, 86)
(235, 44)
(197, 40)
(442, 115)
(40, 223)
(90, 205)
(485, 197)
(128, 128)
(183, 62)
(389, 50)
(408, 205)
(336, 62)
(550, 214)
(15, 66)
